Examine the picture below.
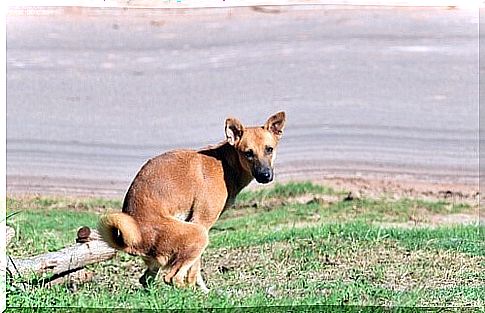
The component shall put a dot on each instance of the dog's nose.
(264, 176)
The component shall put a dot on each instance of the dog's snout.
(263, 175)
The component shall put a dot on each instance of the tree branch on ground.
(66, 263)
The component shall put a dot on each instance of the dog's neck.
(235, 175)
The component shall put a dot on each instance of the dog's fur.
(176, 197)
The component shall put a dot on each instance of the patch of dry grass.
(61, 203)
(386, 265)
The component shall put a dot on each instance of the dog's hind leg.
(179, 270)
(184, 261)
(168, 277)
(153, 266)
(189, 254)
(179, 278)
(195, 277)
(192, 276)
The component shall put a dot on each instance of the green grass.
(283, 191)
(38, 231)
(275, 249)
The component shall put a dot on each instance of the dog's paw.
(178, 283)
(204, 289)
(146, 280)
(202, 285)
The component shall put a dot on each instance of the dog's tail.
(121, 232)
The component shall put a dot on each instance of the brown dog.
(176, 197)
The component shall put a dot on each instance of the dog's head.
(256, 146)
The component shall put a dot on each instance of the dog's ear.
(275, 124)
(234, 131)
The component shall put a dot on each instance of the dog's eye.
(249, 154)
(269, 150)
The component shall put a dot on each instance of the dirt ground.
(376, 188)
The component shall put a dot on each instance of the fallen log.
(65, 261)
(71, 279)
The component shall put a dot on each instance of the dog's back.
(173, 184)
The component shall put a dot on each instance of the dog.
(177, 197)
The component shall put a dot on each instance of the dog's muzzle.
(263, 175)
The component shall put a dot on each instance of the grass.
(294, 244)
(292, 189)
